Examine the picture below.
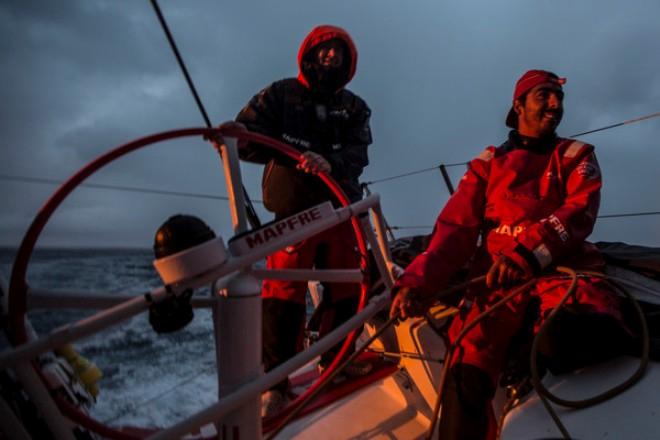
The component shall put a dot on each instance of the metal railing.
(125, 307)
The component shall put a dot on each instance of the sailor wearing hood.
(317, 115)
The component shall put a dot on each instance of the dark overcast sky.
(81, 76)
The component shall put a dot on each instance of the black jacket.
(335, 126)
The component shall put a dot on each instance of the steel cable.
(136, 189)
(425, 170)
(251, 213)
(117, 187)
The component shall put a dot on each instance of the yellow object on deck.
(87, 372)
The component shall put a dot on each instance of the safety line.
(398, 176)
(117, 187)
(450, 165)
(215, 197)
(412, 173)
(630, 121)
(631, 214)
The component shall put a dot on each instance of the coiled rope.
(543, 392)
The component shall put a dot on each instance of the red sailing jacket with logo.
(536, 206)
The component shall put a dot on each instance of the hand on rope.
(409, 302)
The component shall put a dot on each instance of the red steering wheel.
(18, 287)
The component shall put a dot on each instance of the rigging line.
(251, 213)
(631, 214)
(630, 121)
(118, 188)
(402, 175)
(182, 65)
(450, 165)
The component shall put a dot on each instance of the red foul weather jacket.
(534, 205)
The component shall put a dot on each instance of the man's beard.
(327, 80)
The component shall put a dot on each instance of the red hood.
(317, 36)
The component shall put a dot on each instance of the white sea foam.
(149, 380)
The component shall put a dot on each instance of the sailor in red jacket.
(533, 200)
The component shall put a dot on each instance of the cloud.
(83, 76)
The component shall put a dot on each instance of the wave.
(149, 380)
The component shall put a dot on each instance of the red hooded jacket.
(319, 35)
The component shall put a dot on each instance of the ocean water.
(149, 380)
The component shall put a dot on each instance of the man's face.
(330, 54)
(541, 110)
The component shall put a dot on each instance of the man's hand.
(313, 163)
(504, 273)
(407, 303)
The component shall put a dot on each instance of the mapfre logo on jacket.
(510, 230)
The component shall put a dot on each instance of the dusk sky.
(79, 77)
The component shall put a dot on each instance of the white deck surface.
(633, 415)
(380, 411)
